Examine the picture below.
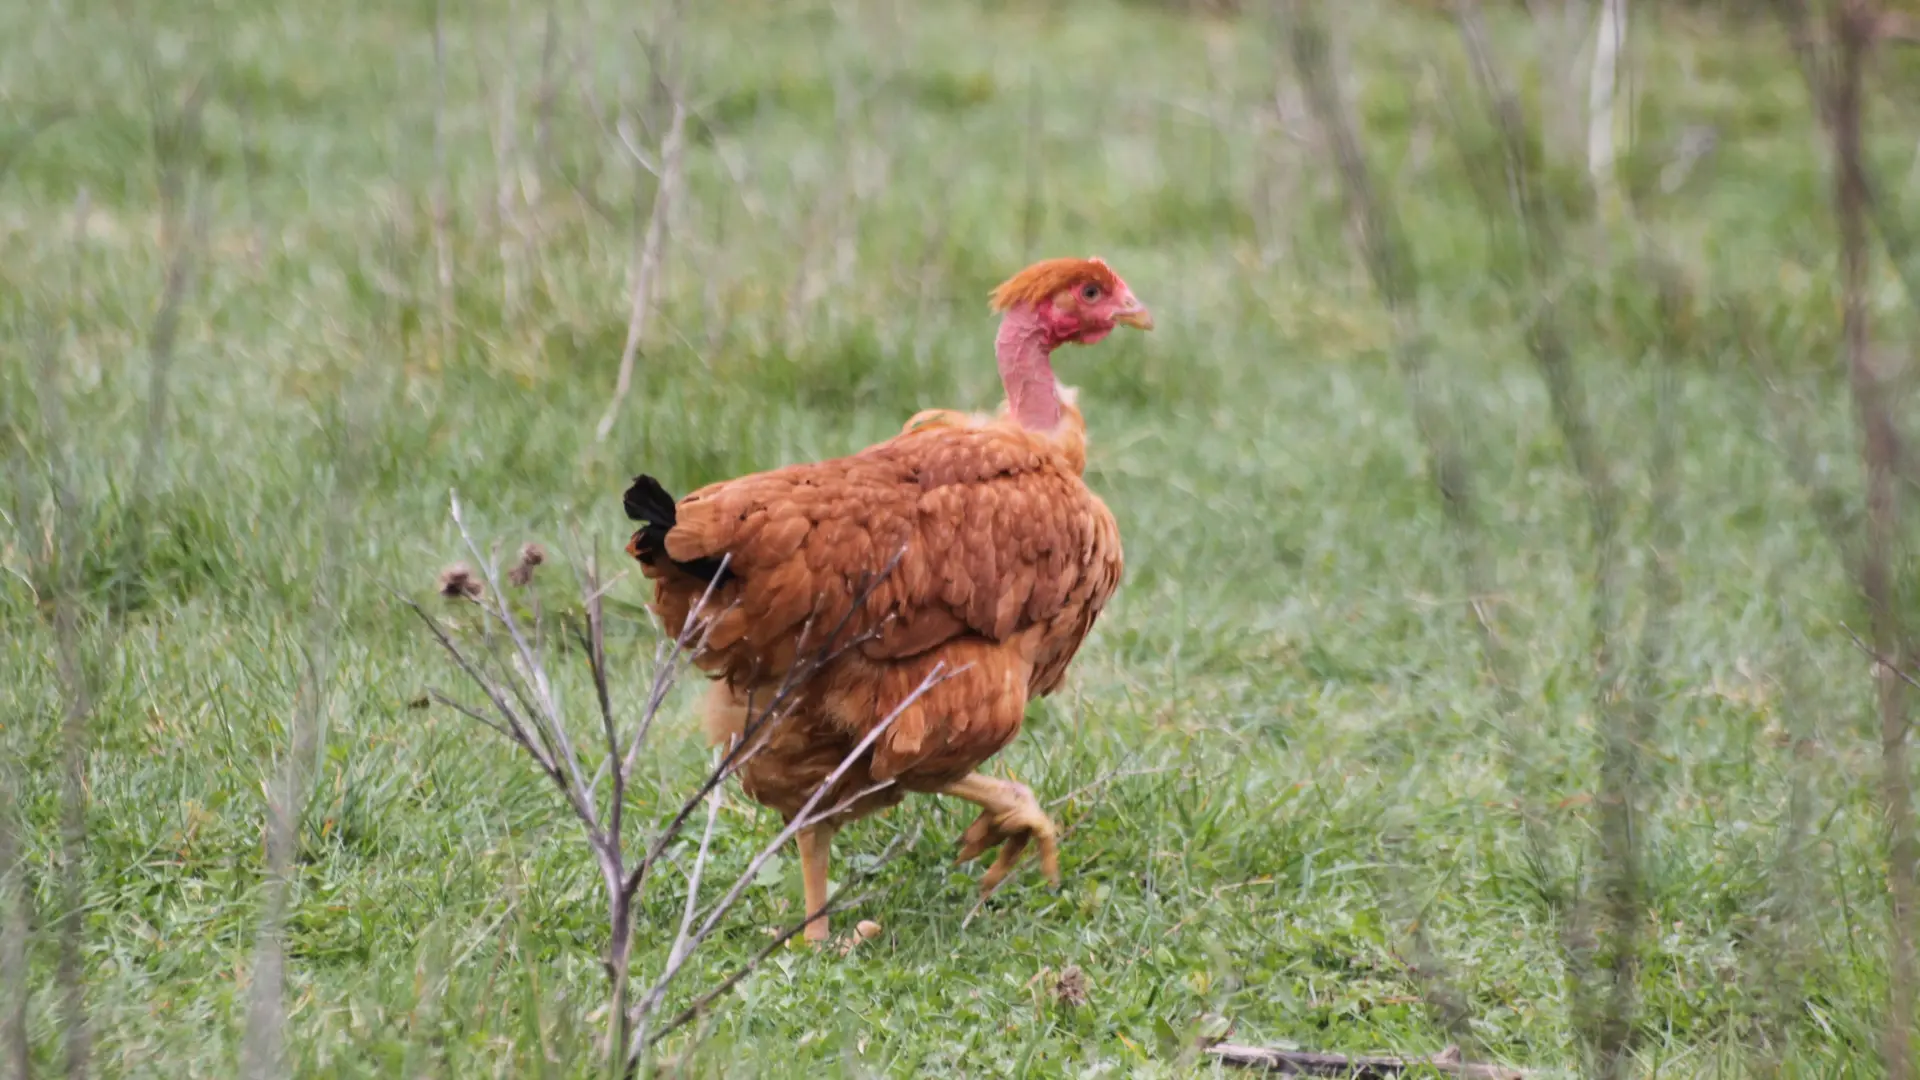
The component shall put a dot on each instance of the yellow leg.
(816, 844)
(1011, 818)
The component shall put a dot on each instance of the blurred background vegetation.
(1354, 760)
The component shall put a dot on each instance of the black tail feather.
(649, 504)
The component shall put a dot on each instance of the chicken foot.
(816, 845)
(1011, 819)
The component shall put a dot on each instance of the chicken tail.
(649, 504)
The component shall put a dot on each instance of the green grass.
(1302, 751)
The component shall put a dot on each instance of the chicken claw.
(1011, 819)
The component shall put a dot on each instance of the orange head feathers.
(1082, 299)
(1043, 279)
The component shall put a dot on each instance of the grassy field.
(1280, 753)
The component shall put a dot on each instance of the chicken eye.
(1090, 292)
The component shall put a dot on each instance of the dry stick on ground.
(1853, 22)
(1384, 247)
(526, 710)
(1310, 1063)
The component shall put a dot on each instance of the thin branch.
(506, 166)
(1385, 250)
(507, 712)
(1609, 41)
(647, 265)
(547, 712)
(1886, 663)
(677, 952)
(701, 1004)
(263, 1053)
(805, 818)
(440, 213)
(475, 715)
(63, 557)
(16, 1047)
(543, 99)
(1853, 30)
(749, 743)
(834, 904)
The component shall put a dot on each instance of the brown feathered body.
(1004, 560)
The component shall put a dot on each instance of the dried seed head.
(1070, 989)
(459, 582)
(531, 555)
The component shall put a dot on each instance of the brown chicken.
(1004, 560)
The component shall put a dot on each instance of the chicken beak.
(1134, 314)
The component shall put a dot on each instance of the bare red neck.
(1023, 346)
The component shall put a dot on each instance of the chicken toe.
(1011, 819)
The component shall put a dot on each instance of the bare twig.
(527, 711)
(1389, 262)
(506, 168)
(649, 243)
(833, 905)
(1547, 342)
(805, 818)
(442, 236)
(647, 266)
(15, 1046)
(183, 218)
(1610, 33)
(1886, 663)
(544, 97)
(63, 556)
(263, 1053)
(813, 656)
(1853, 31)
(704, 1002)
